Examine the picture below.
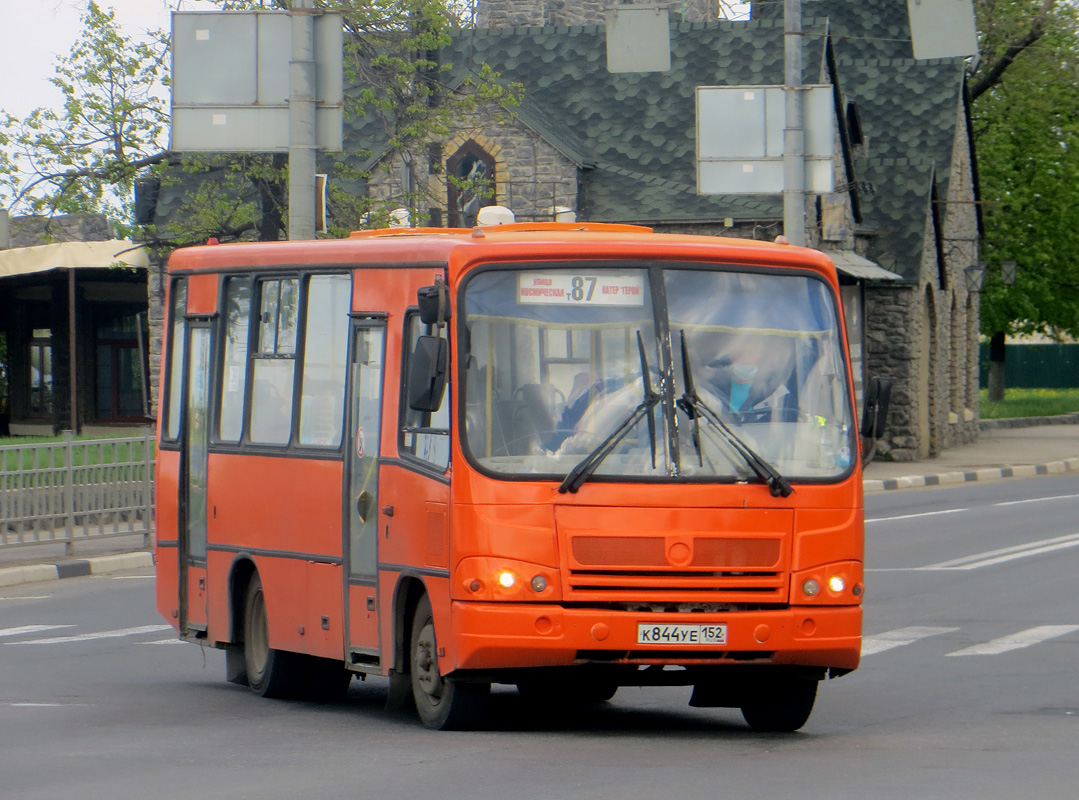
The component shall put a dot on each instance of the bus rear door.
(194, 444)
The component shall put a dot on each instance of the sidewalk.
(1005, 452)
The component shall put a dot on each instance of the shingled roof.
(634, 134)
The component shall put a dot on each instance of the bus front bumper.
(491, 636)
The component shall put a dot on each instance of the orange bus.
(565, 457)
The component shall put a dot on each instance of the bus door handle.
(387, 510)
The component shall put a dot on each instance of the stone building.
(902, 223)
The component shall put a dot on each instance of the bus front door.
(194, 451)
(361, 496)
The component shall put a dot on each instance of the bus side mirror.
(427, 372)
(434, 303)
(875, 413)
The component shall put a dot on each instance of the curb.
(968, 476)
(99, 565)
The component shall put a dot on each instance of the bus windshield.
(655, 373)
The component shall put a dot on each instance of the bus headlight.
(829, 584)
(482, 578)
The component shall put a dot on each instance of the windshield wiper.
(694, 407)
(590, 463)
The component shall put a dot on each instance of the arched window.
(470, 184)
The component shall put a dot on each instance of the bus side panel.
(265, 503)
(286, 513)
(284, 587)
(166, 556)
(325, 632)
(202, 293)
(218, 564)
(363, 618)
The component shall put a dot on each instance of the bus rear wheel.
(443, 704)
(781, 708)
(270, 673)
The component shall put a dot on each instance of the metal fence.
(76, 491)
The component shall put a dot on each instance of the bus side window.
(233, 383)
(274, 369)
(325, 360)
(424, 435)
(176, 361)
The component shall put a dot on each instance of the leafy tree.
(84, 156)
(392, 58)
(1026, 125)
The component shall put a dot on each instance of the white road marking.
(1017, 641)
(27, 597)
(131, 577)
(913, 516)
(1038, 500)
(85, 637)
(880, 642)
(165, 641)
(1006, 554)
(30, 629)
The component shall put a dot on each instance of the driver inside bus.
(751, 376)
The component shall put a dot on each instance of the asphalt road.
(969, 688)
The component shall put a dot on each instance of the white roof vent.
(562, 214)
(495, 215)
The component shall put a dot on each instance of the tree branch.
(993, 75)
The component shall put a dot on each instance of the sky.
(35, 32)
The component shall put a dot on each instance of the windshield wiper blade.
(694, 407)
(590, 463)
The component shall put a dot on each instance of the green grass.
(1030, 403)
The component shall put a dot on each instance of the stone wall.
(537, 13)
(531, 177)
(34, 230)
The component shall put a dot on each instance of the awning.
(850, 263)
(72, 255)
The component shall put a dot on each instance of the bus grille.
(730, 569)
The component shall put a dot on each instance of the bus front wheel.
(270, 673)
(442, 703)
(781, 708)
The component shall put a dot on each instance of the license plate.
(650, 633)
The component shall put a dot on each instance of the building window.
(41, 373)
(120, 373)
(470, 184)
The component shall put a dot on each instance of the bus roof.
(459, 248)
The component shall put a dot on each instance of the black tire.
(270, 673)
(444, 704)
(782, 708)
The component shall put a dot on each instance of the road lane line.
(165, 641)
(24, 629)
(878, 643)
(1017, 641)
(85, 637)
(1037, 500)
(914, 516)
(1005, 554)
